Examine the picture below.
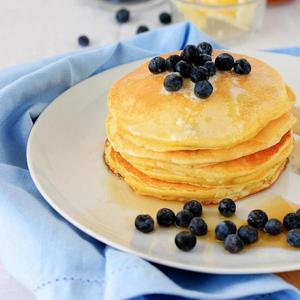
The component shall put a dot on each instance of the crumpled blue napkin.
(46, 253)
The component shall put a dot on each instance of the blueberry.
(223, 229)
(183, 68)
(211, 67)
(205, 48)
(171, 62)
(291, 221)
(194, 207)
(199, 74)
(165, 217)
(227, 207)
(123, 15)
(198, 226)
(144, 223)
(233, 243)
(248, 234)
(157, 65)
(141, 29)
(173, 82)
(202, 59)
(165, 18)
(83, 41)
(185, 240)
(293, 238)
(242, 66)
(273, 227)
(190, 53)
(203, 89)
(183, 218)
(224, 62)
(257, 218)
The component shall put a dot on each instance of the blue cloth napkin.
(46, 253)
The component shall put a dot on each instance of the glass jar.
(226, 23)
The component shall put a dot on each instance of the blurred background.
(34, 29)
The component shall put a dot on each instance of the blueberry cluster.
(196, 63)
(234, 239)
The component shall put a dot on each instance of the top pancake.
(240, 107)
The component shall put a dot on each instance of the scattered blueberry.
(224, 62)
(223, 229)
(257, 218)
(123, 15)
(83, 41)
(141, 29)
(194, 207)
(198, 226)
(291, 221)
(199, 74)
(227, 207)
(293, 238)
(173, 82)
(211, 67)
(242, 66)
(190, 53)
(185, 240)
(273, 227)
(144, 223)
(165, 217)
(203, 89)
(165, 18)
(248, 234)
(183, 218)
(157, 65)
(183, 68)
(205, 48)
(171, 62)
(233, 243)
(202, 59)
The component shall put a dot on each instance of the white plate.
(65, 160)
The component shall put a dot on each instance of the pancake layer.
(147, 186)
(176, 147)
(148, 115)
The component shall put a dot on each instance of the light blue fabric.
(46, 253)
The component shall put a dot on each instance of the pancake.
(239, 108)
(236, 171)
(175, 146)
(267, 137)
(147, 186)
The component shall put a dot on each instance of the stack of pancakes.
(172, 145)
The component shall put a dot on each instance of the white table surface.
(34, 29)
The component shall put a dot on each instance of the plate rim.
(103, 239)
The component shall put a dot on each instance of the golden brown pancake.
(267, 137)
(240, 170)
(238, 109)
(147, 186)
(174, 146)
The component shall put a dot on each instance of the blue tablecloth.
(45, 252)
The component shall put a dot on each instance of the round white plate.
(65, 160)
